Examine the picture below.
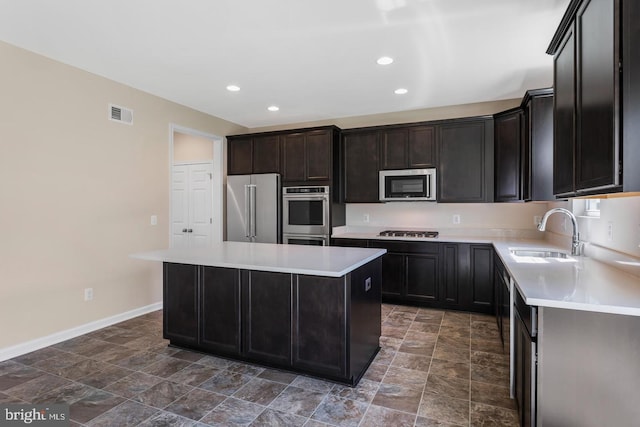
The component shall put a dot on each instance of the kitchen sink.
(537, 253)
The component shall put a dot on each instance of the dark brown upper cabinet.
(253, 154)
(465, 151)
(307, 157)
(361, 165)
(537, 106)
(596, 73)
(509, 171)
(523, 150)
(408, 147)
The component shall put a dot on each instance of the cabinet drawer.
(351, 243)
(406, 247)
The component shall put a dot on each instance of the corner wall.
(77, 194)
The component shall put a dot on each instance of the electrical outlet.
(609, 231)
(564, 224)
(154, 219)
(456, 219)
(537, 219)
(88, 294)
(365, 217)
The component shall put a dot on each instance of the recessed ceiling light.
(233, 88)
(385, 60)
(400, 91)
(273, 108)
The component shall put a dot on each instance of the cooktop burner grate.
(408, 233)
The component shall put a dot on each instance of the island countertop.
(330, 261)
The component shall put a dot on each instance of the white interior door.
(180, 206)
(200, 205)
(192, 206)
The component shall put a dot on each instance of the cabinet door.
(481, 278)
(320, 301)
(220, 310)
(293, 157)
(507, 156)
(393, 275)
(422, 277)
(266, 154)
(464, 174)
(180, 301)
(393, 144)
(450, 275)
(524, 374)
(318, 155)
(239, 156)
(422, 147)
(268, 317)
(361, 157)
(539, 122)
(597, 66)
(564, 79)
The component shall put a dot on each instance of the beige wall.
(440, 113)
(77, 194)
(191, 148)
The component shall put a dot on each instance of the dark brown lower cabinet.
(422, 277)
(267, 308)
(481, 278)
(450, 275)
(456, 276)
(320, 349)
(180, 303)
(323, 326)
(393, 275)
(220, 310)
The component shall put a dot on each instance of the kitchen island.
(314, 310)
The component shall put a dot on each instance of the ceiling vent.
(120, 114)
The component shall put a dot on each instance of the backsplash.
(439, 216)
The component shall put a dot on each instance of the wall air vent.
(120, 114)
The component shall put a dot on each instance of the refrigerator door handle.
(252, 209)
(247, 211)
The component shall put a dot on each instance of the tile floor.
(435, 368)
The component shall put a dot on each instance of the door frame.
(217, 211)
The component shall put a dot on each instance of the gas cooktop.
(408, 233)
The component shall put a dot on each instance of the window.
(592, 207)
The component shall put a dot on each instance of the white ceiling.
(315, 59)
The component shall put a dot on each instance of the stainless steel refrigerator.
(253, 208)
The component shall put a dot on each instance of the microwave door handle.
(428, 186)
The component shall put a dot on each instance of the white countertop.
(329, 261)
(576, 283)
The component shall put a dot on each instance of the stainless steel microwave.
(408, 185)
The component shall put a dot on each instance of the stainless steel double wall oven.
(305, 215)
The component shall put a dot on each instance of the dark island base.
(327, 327)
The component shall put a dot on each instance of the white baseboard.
(33, 345)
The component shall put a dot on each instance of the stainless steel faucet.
(575, 238)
